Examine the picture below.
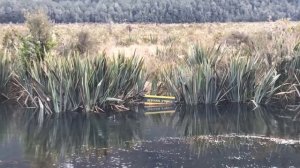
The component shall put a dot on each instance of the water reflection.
(238, 119)
(80, 140)
(47, 141)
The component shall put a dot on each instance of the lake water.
(227, 136)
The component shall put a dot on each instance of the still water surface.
(231, 136)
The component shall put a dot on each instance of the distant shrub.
(129, 28)
(152, 39)
(39, 26)
(238, 39)
(10, 41)
(84, 42)
(169, 40)
(39, 42)
(127, 41)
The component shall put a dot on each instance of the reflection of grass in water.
(85, 135)
(205, 126)
(125, 130)
(212, 120)
(7, 114)
(65, 133)
(73, 133)
(209, 120)
(4, 122)
(60, 136)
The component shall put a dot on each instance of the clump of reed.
(82, 42)
(90, 84)
(266, 88)
(206, 78)
(5, 73)
(290, 68)
(10, 42)
(196, 81)
(194, 85)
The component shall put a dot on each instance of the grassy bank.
(259, 69)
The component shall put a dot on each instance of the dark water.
(231, 136)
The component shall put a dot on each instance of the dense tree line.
(159, 11)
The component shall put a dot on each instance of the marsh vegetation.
(37, 72)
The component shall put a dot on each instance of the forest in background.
(152, 11)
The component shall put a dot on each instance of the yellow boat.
(152, 100)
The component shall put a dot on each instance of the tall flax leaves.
(266, 88)
(195, 85)
(197, 82)
(83, 84)
(241, 78)
(201, 81)
(289, 70)
(126, 75)
(5, 71)
(200, 55)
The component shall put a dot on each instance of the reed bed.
(212, 77)
(88, 84)
(99, 83)
(5, 73)
(237, 70)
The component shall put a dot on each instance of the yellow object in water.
(162, 109)
(159, 112)
(152, 100)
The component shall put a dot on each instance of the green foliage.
(5, 71)
(200, 55)
(197, 81)
(38, 43)
(289, 71)
(39, 26)
(199, 85)
(11, 42)
(202, 81)
(31, 51)
(126, 72)
(266, 88)
(83, 84)
(241, 78)
(83, 42)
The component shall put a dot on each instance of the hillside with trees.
(155, 11)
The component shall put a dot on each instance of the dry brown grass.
(168, 42)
